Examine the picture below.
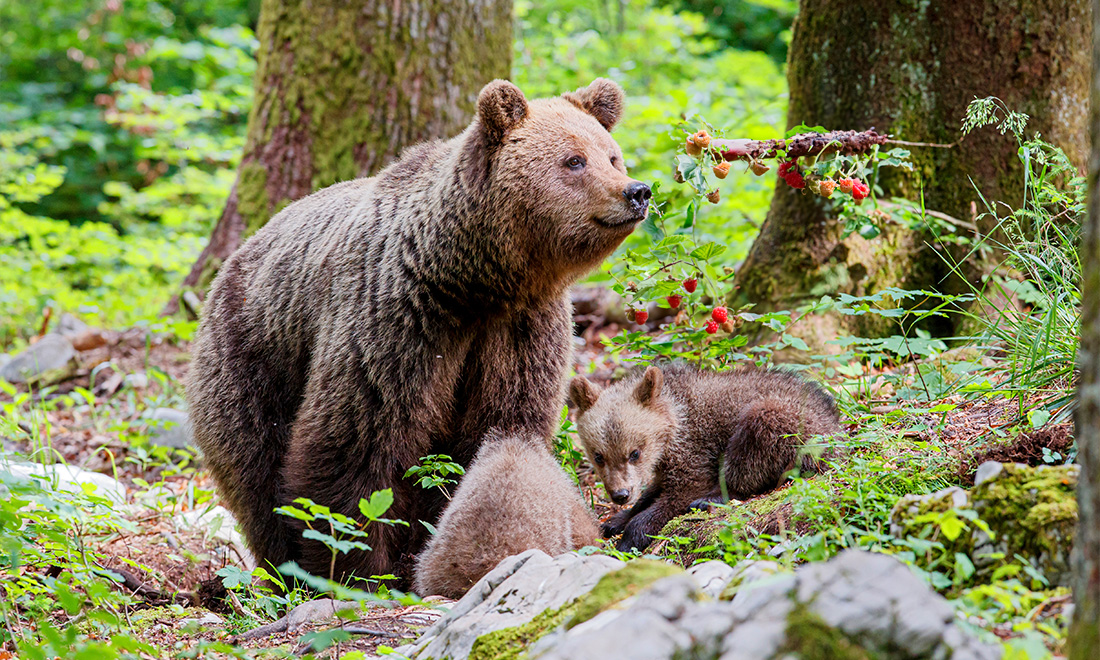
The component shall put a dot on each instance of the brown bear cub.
(514, 497)
(411, 313)
(671, 430)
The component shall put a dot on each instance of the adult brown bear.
(383, 319)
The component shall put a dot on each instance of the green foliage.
(434, 471)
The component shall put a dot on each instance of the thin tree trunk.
(910, 69)
(342, 86)
(1084, 635)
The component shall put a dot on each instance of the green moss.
(1034, 510)
(512, 643)
(810, 638)
(252, 202)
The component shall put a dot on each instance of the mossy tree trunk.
(909, 69)
(1084, 634)
(342, 86)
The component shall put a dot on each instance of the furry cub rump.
(514, 497)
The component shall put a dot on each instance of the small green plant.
(435, 471)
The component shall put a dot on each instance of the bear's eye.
(575, 162)
(614, 159)
(599, 459)
(634, 456)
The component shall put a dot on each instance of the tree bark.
(1084, 634)
(910, 69)
(342, 86)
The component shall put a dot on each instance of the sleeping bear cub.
(672, 431)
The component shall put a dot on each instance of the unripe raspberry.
(719, 314)
(692, 148)
(721, 169)
(826, 187)
(727, 326)
(631, 286)
(759, 168)
(630, 314)
(711, 327)
(845, 186)
(702, 138)
(674, 301)
(690, 284)
(641, 316)
(713, 196)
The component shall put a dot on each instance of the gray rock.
(873, 599)
(169, 427)
(49, 359)
(217, 523)
(986, 471)
(69, 326)
(138, 380)
(208, 619)
(67, 479)
(712, 576)
(512, 594)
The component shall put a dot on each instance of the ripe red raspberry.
(690, 284)
(719, 314)
(721, 170)
(845, 185)
(860, 191)
(712, 327)
(786, 168)
(640, 316)
(794, 179)
(674, 301)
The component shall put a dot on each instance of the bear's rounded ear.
(500, 107)
(603, 99)
(649, 389)
(582, 394)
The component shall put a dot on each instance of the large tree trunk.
(342, 86)
(910, 69)
(1084, 636)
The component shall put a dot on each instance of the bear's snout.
(637, 194)
(622, 495)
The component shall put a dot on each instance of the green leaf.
(951, 527)
(803, 128)
(1038, 418)
(295, 512)
(869, 231)
(964, 568)
(379, 502)
(708, 251)
(233, 577)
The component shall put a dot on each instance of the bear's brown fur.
(668, 431)
(513, 498)
(383, 319)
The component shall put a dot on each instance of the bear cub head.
(624, 431)
(556, 159)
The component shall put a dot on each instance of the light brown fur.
(383, 319)
(666, 432)
(513, 498)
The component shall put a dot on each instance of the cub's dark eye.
(614, 159)
(634, 455)
(575, 162)
(599, 459)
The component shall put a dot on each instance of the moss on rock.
(512, 643)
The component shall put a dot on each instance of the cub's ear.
(603, 99)
(582, 394)
(500, 107)
(649, 389)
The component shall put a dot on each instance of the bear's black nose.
(638, 195)
(621, 496)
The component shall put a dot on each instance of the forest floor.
(170, 545)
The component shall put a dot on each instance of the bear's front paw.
(636, 536)
(615, 524)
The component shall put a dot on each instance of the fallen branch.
(804, 144)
